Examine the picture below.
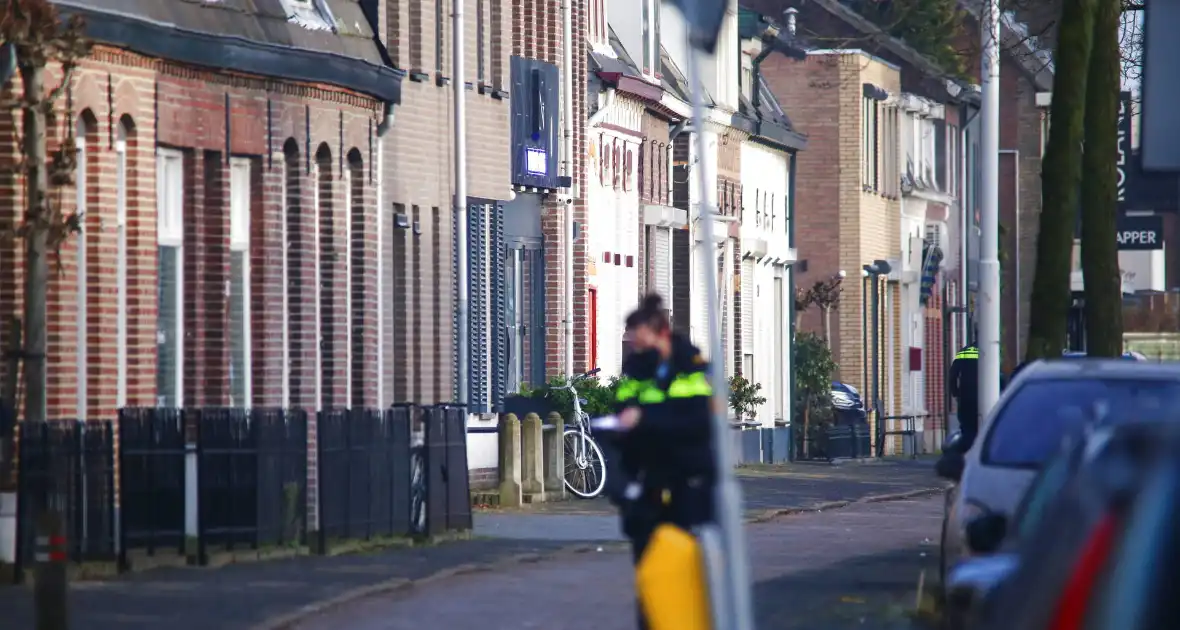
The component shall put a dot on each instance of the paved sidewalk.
(847, 569)
(767, 491)
(237, 597)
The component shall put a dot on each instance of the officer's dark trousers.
(968, 421)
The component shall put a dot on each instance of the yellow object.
(671, 581)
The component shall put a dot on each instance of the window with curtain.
(239, 283)
(170, 279)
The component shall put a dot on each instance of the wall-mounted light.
(401, 221)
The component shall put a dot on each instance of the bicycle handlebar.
(569, 383)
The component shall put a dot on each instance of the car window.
(1047, 485)
(1030, 426)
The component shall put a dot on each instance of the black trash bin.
(838, 442)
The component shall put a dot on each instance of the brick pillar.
(363, 225)
(101, 250)
(142, 265)
(301, 324)
(213, 307)
(267, 179)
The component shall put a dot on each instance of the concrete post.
(510, 487)
(532, 464)
(555, 458)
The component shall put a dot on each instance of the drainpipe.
(789, 403)
(677, 130)
(459, 83)
(598, 115)
(966, 221)
(382, 128)
(567, 149)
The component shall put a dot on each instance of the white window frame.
(121, 268)
(81, 190)
(286, 308)
(869, 179)
(239, 241)
(170, 233)
(348, 287)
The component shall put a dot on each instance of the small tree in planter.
(744, 397)
(814, 367)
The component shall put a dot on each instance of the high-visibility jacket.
(964, 377)
(673, 440)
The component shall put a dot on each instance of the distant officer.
(665, 443)
(965, 388)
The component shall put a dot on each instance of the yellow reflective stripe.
(690, 386)
(628, 388)
(968, 354)
(651, 395)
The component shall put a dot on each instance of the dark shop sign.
(1140, 233)
(1138, 189)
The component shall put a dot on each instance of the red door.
(593, 306)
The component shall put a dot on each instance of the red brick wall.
(206, 116)
(537, 34)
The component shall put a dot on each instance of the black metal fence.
(152, 480)
(233, 478)
(252, 477)
(364, 468)
(67, 467)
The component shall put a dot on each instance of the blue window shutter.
(498, 347)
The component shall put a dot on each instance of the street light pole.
(459, 74)
(989, 263)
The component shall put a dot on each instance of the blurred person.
(664, 469)
(964, 382)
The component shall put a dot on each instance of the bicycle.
(585, 465)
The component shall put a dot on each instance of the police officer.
(965, 388)
(665, 470)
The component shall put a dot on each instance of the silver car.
(1046, 402)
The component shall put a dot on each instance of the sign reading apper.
(536, 162)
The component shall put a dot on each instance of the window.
(440, 30)
(650, 21)
(170, 279)
(869, 145)
(497, 49)
(480, 42)
(953, 160)
(311, 14)
(599, 35)
(646, 22)
(121, 267)
(239, 283)
(1062, 407)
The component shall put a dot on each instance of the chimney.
(790, 15)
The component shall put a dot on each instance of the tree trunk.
(1060, 175)
(828, 326)
(36, 251)
(806, 424)
(1100, 255)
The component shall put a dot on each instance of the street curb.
(286, 621)
(770, 515)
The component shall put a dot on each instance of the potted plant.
(744, 398)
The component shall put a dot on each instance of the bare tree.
(45, 47)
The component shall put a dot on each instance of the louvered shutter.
(748, 291)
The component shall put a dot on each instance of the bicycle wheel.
(585, 466)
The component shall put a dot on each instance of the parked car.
(1127, 356)
(1023, 564)
(1046, 402)
(847, 404)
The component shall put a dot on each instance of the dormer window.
(650, 17)
(310, 14)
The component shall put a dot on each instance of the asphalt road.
(766, 491)
(852, 568)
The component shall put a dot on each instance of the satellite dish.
(7, 63)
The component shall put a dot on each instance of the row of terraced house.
(268, 218)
